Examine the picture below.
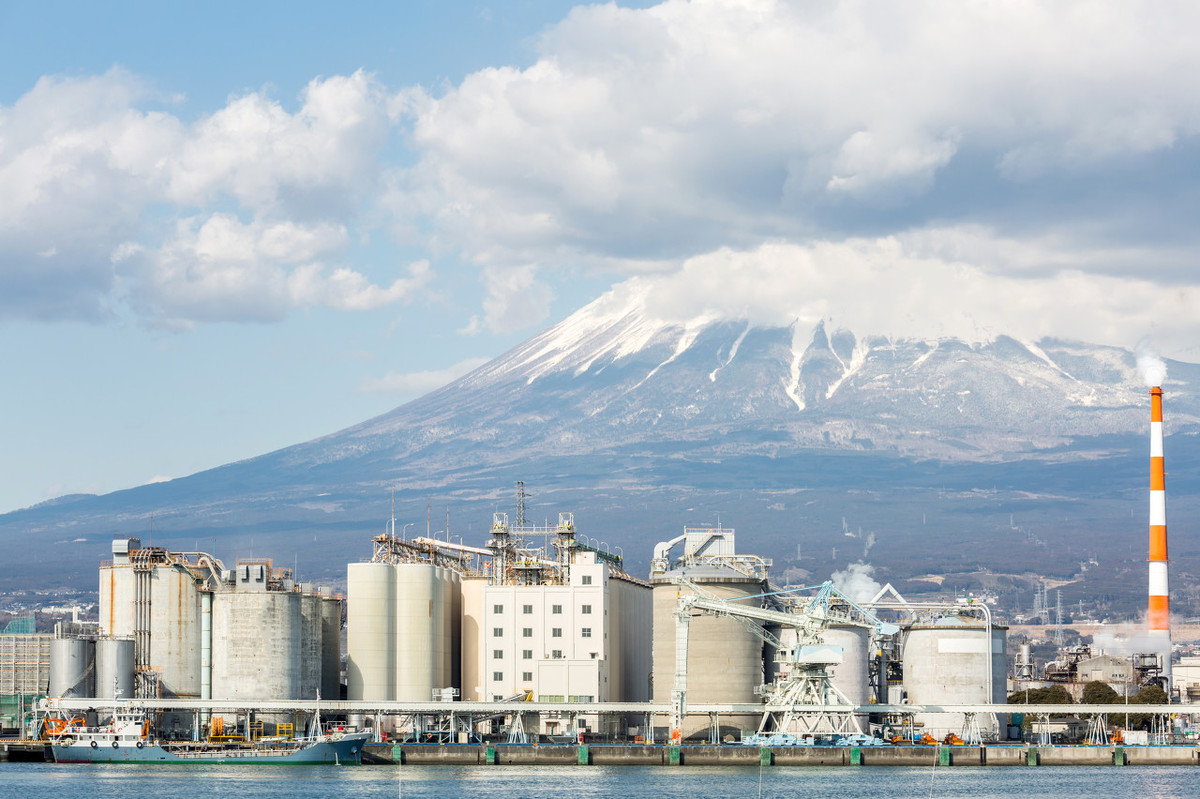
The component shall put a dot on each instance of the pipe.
(206, 599)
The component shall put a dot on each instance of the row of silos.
(87, 668)
(248, 635)
(403, 632)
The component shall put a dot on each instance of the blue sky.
(229, 228)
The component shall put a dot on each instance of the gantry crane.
(804, 695)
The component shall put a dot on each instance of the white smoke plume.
(1120, 640)
(856, 582)
(1152, 369)
(870, 542)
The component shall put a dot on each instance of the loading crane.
(804, 695)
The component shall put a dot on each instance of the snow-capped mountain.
(640, 426)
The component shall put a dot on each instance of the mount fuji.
(982, 460)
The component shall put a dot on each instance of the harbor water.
(26, 780)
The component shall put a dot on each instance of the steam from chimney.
(1151, 368)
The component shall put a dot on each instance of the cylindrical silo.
(114, 668)
(310, 647)
(370, 631)
(331, 648)
(175, 631)
(853, 675)
(256, 645)
(725, 660)
(454, 615)
(418, 631)
(72, 668)
(951, 661)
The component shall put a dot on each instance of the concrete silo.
(152, 596)
(954, 660)
(725, 661)
(311, 656)
(257, 638)
(331, 646)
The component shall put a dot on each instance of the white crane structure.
(803, 698)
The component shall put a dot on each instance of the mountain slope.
(640, 426)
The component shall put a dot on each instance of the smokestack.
(1158, 617)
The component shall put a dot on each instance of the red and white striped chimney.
(1158, 618)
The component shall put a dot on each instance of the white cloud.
(638, 139)
(414, 384)
(911, 285)
(689, 125)
(241, 215)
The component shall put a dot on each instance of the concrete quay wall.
(707, 755)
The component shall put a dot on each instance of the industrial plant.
(539, 634)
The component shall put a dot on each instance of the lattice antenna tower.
(520, 503)
(1058, 614)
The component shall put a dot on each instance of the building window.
(550, 698)
(556, 608)
(497, 654)
(526, 654)
(556, 654)
(556, 632)
(586, 610)
(497, 632)
(527, 676)
(586, 579)
(497, 608)
(497, 676)
(583, 698)
(526, 632)
(527, 609)
(586, 632)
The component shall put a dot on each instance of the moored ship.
(126, 740)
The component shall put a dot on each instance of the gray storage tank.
(72, 668)
(114, 668)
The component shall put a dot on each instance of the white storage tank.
(370, 631)
(953, 661)
(72, 668)
(423, 599)
(114, 668)
(725, 660)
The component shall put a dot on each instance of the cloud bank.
(936, 165)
